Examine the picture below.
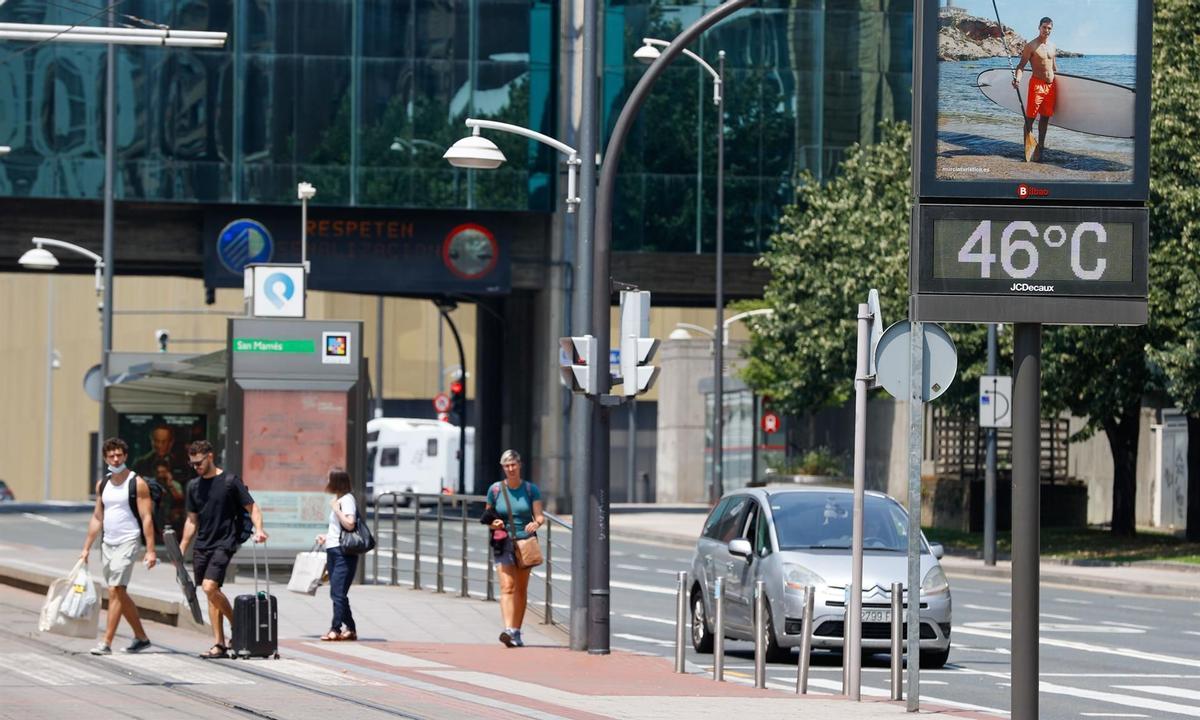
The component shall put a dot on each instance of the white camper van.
(415, 455)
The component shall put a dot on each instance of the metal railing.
(410, 506)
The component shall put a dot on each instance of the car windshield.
(811, 520)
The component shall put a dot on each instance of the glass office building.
(361, 97)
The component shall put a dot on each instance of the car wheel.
(934, 658)
(702, 637)
(775, 654)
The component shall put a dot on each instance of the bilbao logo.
(242, 242)
(1027, 191)
(1026, 287)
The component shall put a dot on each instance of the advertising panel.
(1035, 101)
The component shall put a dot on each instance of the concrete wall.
(679, 460)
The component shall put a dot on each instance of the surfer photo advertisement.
(1047, 98)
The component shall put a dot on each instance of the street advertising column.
(297, 407)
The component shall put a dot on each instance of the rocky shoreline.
(965, 37)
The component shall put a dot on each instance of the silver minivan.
(793, 537)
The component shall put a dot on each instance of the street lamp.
(476, 152)
(4, 149)
(39, 258)
(648, 53)
(304, 193)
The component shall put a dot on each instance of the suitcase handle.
(257, 604)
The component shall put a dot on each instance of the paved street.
(1103, 654)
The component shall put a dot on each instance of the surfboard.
(1085, 105)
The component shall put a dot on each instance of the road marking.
(1139, 608)
(836, 685)
(993, 651)
(664, 571)
(644, 556)
(642, 588)
(46, 670)
(1115, 715)
(986, 607)
(644, 639)
(315, 674)
(1068, 618)
(647, 618)
(1163, 690)
(1154, 676)
(1128, 625)
(383, 657)
(1191, 632)
(1087, 647)
(173, 668)
(623, 566)
(1120, 699)
(1073, 602)
(53, 521)
(1062, 628)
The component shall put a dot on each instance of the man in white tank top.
(122, 534)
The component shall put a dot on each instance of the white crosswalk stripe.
(375, 655)
(313, 674)
(1163, 690)
(47, 670)
(183, 671)
(1133, 701)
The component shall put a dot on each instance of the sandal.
(331, 636)
(216, 652)
(348, 635)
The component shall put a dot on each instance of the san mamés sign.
(398, 252)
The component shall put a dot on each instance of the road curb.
(1049, 576)
(45, 508)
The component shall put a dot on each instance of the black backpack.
(156, 494)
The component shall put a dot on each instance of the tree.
(1175, 220)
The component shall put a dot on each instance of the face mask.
(114, 469)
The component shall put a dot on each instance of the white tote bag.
(307, 572)
(81, 594)
(53, 617)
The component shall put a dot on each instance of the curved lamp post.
(39, 258)
(478, 153)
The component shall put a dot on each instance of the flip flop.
(348, 635)
(216, 652)
(331, 636)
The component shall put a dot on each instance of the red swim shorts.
(1041, 98)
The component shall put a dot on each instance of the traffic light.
(579, 364)
(458, 402)
(637, 375)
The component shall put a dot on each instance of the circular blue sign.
(243, 242)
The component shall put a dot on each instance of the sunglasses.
(197, 463)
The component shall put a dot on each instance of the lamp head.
(475, 151)
(646, 54)
(4, 149)
(38, 258)
(305, 191)
(396, 145)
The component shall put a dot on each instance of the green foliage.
(818, 461)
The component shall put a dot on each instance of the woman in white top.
(341, 567)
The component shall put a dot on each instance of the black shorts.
(210, 564)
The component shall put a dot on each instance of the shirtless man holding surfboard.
(1040, 54)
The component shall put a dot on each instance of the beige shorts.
(119, 561)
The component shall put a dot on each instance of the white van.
(415, 455)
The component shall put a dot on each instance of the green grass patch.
(1080, 544)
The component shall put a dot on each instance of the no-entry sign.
(441, 402)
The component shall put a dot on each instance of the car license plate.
(876, 616)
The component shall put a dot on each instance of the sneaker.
(101, 649)
(506, 637)
(138, 645)
(517, 640)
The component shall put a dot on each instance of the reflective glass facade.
(358, 97)
(804, 80)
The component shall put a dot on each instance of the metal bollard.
(806, 620)
(462, 504)
(680, 621)
(395, 536)
(846, 649)
(549, 573)
(415, 500)
(375, 530)
(897, 641)
(719, 630)
(441, 556)
(760, 631)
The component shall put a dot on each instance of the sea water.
(963, 108)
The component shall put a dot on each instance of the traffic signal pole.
(457, 398)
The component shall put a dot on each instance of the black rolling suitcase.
(256, 619)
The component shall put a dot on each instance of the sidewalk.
(681, 527)
(444, 649)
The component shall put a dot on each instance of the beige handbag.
(526, 552)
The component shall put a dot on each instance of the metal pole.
(462, 505)
(718, 629)
(462, 426)
(581, 299)
(549, 614)
(989, 477)
(853, 625)
(598, 570)
(718, 468)
(1027, 360)
(378, 353)
(48, 445)
(760, 630)
(916, 446)
(110, 174)
(304, 237)
(631, 451)
(680, 621)
(416, 503)
(805, 641)
(395, 537)
(849, 593)
(897, 641)
(441, 560)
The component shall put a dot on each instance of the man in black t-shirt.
(215, 500)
